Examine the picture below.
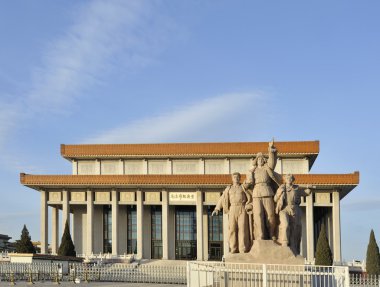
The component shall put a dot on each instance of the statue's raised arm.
(272, 151)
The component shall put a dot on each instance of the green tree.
(323, 255)
(67, 247)
(373, 256)
(25, 245)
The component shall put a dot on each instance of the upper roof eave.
(172, 150)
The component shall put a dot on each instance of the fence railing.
(130, 273)
(218, 274)
(12, 272)
(358, 280)
(148, 273)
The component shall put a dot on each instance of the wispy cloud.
(222, 114)
(106, 31)
(104, 37)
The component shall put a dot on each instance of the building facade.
(156, 200)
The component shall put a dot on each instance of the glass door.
(186, 233)
(156, 229)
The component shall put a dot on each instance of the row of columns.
(115, 210)
(165, 224)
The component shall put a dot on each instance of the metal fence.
(358, 280)
(13, 272)
(130, 273)
(196, 274)
(216, 274)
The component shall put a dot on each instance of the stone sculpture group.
(256, 212)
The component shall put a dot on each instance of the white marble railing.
(265, 275)
(107, 256)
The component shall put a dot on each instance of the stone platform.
(267, 252)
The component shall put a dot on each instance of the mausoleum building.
(156, 200)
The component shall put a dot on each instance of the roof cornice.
(91, 151)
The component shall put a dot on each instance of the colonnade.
(166, 243)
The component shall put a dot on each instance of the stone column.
(121, 166)
(145, 166)
(169, 166)
(201, 166)
(140, 222)
(90, 219)
(227, 166)
(310, 228)
(115, 222)
(165, 224)
(44, 222)
(54, 233)
(75, 166)
(199, 212)
(98, 169)
(226, 247)
(336, 227)
(65, 209)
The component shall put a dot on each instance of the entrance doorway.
(185, 233)
(131, 230)
(156, 225)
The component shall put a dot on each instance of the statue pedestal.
(267, 252)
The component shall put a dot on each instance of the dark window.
(156, 225)
(186, 233)
(107, 229)
(131, 230)
(215, 235)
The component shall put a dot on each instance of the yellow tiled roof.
(193, 179)
(177, 149)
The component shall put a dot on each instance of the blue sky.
(176, 71)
